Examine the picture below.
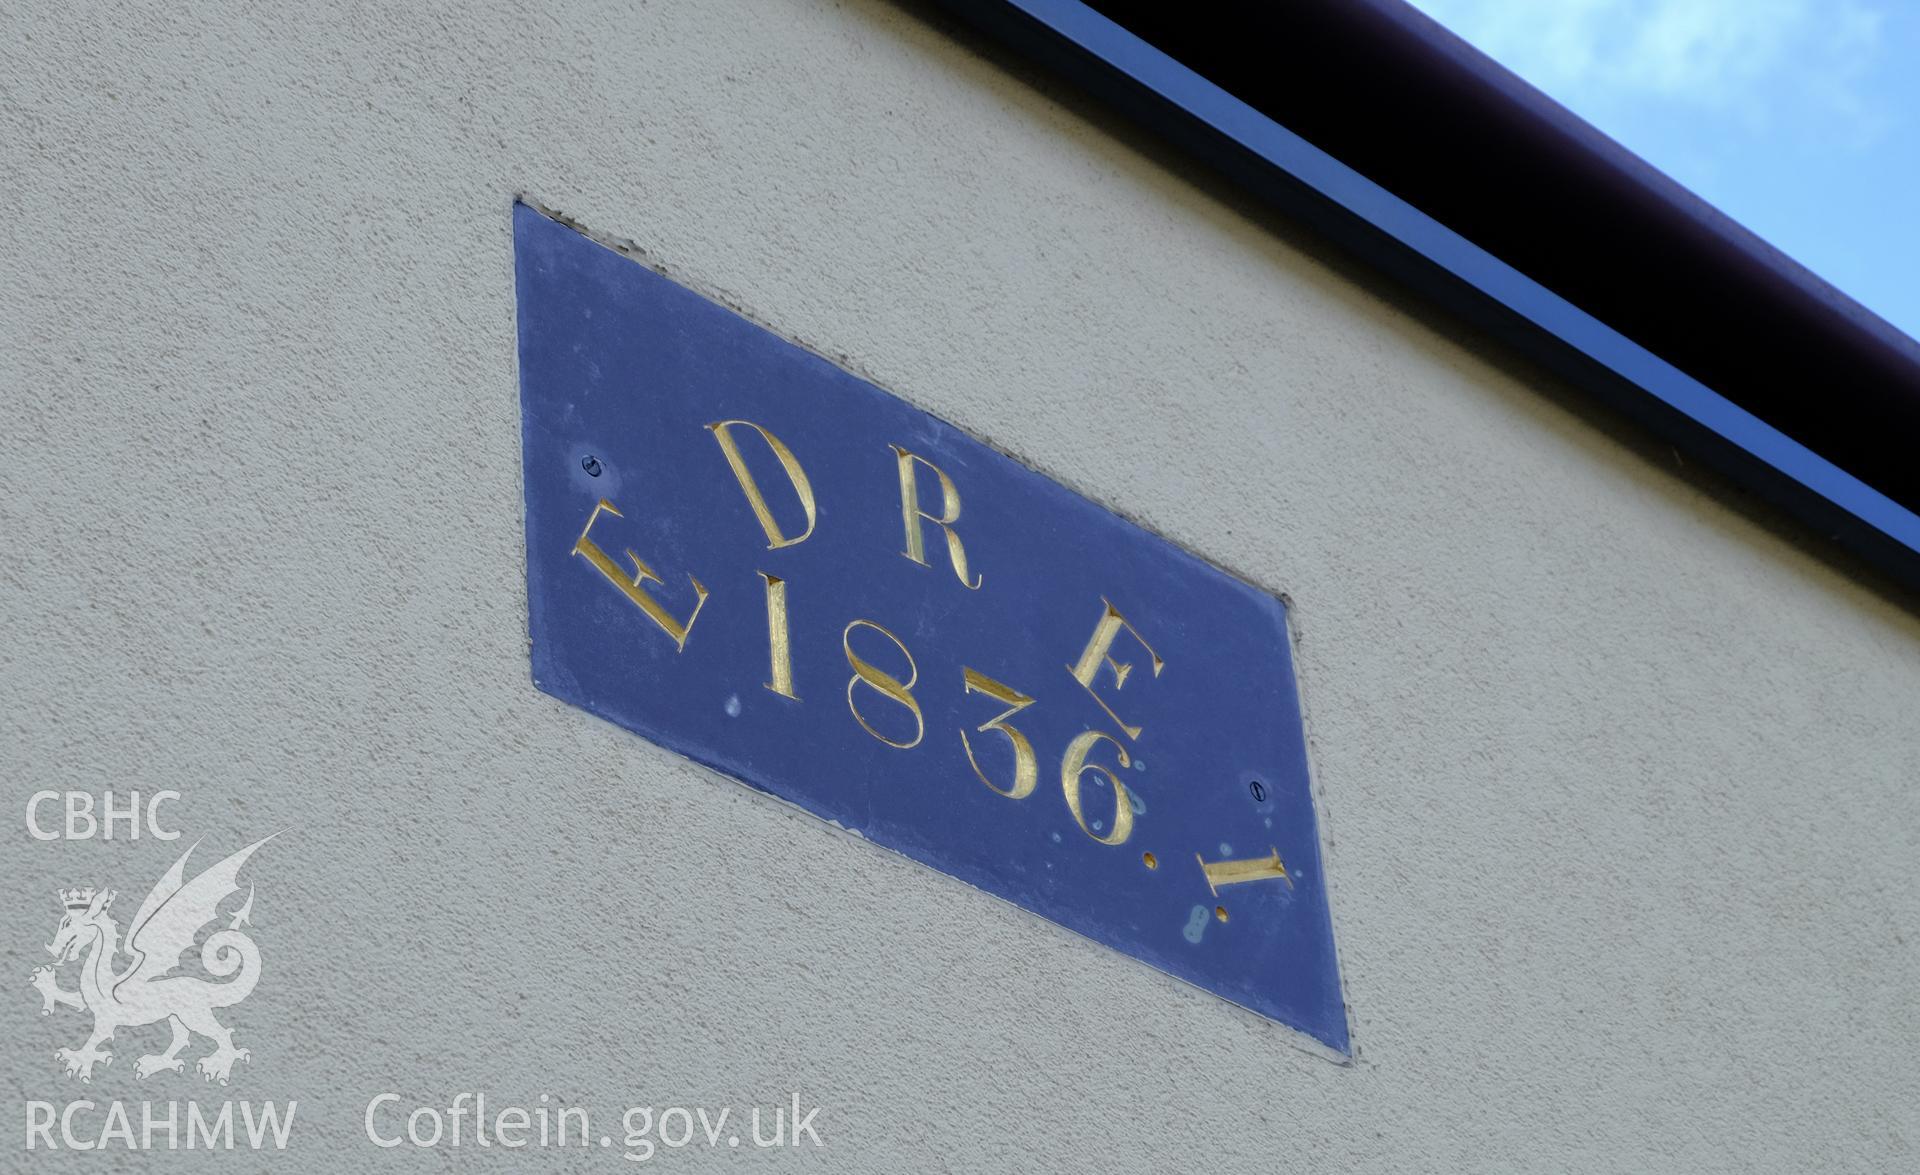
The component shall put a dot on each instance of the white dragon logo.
(144, 992)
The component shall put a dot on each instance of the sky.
(1798, 118)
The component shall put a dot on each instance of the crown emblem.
(77, 899)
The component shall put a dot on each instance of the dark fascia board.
(1629, 287)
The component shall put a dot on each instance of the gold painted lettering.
(1025, 771)
(1099, 651)
(802, 489)
(1074, 764)
(779, 642)
(1221, 873)
(588, 549)
(912, 515)
(883, 683)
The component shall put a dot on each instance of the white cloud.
(1763, 63)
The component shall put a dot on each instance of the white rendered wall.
(1619, 783)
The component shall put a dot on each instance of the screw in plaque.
(1258, 790)
(591, 464)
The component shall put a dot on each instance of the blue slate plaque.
(756, 559)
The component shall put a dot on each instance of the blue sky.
(1798, 118)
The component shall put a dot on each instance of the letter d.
(802, 489)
